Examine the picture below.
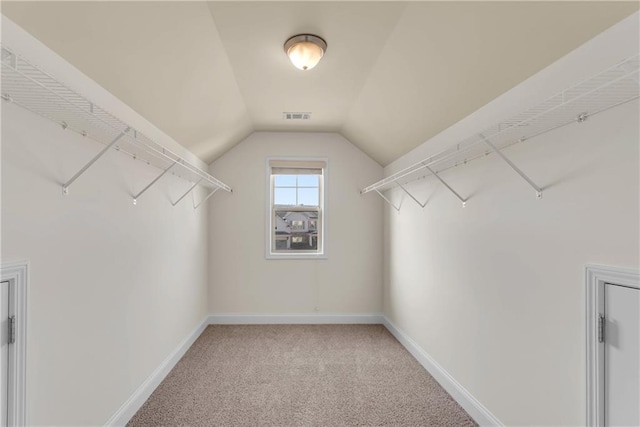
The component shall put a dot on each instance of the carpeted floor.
(299, 375)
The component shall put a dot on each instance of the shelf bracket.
(135, 198)
(422, 205)
(65, 186)
(206, 198)
(513, 166)
(464, 201)
(188, 191)
(387, 200)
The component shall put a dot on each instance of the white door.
(4, 334)
(621, 356)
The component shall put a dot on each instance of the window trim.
(322, 226)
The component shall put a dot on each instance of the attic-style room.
(320, 213)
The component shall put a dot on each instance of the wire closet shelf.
(610, 88)
(31, 88)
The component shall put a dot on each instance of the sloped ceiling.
(394, 74)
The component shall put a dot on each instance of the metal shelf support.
(211, 193)
(135, 198)
(422, 205)
(464, 201)
(387, 200)
(65, 186)
(514, 167)
(614, 86)
(35, 90)
(188, 191)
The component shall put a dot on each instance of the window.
(296, 205)
(297, 225)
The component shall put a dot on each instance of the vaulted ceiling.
(394, 74)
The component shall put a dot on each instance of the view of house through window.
(296, 206)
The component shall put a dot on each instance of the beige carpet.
(299, 375)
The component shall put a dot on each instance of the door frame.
(17, 275)
(596, 277)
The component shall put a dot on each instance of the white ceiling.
(394, 74)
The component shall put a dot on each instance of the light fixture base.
(300, 38)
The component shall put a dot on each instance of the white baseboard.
(137, 399)
(299, 319)
(478, 412)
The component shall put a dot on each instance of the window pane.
(284, 196)
(304, 242)
(281, 244)
(308, 180)
(308, 196)
(285, 180)
(295, 231)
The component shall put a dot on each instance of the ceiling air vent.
(296, 116)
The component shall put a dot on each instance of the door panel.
(4, 355)
(622, 356)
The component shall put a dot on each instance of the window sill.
(296, 256)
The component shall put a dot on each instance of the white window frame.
(270, 252)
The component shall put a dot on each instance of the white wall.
(114, 287)
(494, 292)
(241, 280)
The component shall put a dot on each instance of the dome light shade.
(305, 50)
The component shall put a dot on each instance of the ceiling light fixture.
(305, 50)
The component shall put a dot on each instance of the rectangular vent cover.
(296, 116)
